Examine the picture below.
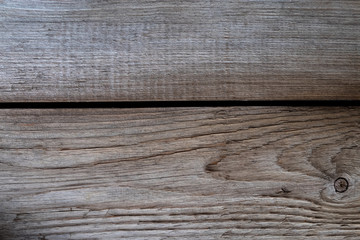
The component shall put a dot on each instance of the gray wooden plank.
(146, 50)
(184, 173)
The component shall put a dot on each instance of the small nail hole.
(341, 185)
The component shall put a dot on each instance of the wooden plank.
(134, 50)
(184, 173)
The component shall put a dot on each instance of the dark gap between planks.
(166, 104)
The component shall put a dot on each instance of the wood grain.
(146, 50)
(181, 173)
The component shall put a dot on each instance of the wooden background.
(146, 50)
(229, 172)
(182, 173)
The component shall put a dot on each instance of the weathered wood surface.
(185, 173)
(179, 50)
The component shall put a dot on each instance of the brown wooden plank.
(145, 50)
(185, 173)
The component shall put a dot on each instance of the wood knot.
(341, 185)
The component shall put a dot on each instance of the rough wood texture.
(190, 173)
(129, 50)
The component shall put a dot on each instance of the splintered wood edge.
(182, 173)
